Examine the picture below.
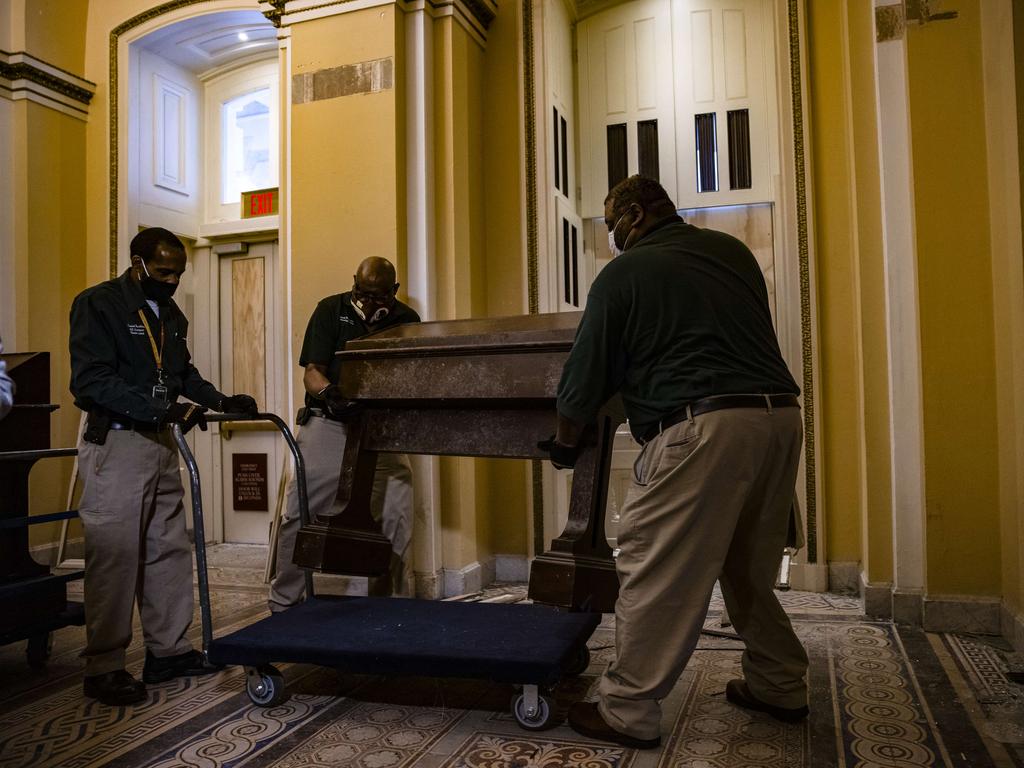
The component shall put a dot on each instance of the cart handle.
(197, 505)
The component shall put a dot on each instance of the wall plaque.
(249, 482)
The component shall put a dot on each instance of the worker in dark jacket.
(129, 364)
(679, 325)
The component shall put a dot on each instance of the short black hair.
(145, 243)
(638, 189)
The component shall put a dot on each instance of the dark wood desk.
(468, 388)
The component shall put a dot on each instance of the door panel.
(251, 452)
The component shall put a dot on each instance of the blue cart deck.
(518, 643)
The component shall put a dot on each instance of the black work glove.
(238, 404)
(336, 404)
(562, 456)
(187, 415)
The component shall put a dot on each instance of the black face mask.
(157, 290)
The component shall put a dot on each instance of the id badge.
(160, 392)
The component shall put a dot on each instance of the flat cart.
(532, 646)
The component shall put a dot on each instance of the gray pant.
(136, 547)
(322, 443)
(711, 501)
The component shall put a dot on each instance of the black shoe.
(737, 692)
(585, 718)
(114, 688)
(188, 664)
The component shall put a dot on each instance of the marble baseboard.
(1013, 627)
(908, 607)
(463, 580)
(428, 585)
(844, 577)
(808, 577)
(877, 598)
(980, 615)
(513, 568)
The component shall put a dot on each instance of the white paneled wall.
(670, 60)
(167, 145)
(625, 76)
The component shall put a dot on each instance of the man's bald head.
(375, 275)
(374, 288)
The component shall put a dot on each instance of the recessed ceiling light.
(243, 37)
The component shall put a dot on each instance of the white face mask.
(612, 247)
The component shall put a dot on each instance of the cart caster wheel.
(37, 652)
(579, 662)
(532, 721)
(265, 686)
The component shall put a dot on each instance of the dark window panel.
(707, 152)
(739, 149)
(565, 158)
(575, 270)
(554, 144)
(618, 167)
(566, 276)
(647, 149)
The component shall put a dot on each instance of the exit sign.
(259, 202)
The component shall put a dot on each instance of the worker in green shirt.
(679, 325)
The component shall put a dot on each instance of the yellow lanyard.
(158, 354)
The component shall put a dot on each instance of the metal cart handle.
(197, 504)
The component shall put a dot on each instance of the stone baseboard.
(957, 613)
(877, 598)
(511, 568)
(808, 577)
(1013, 628)
(844, 577)
(464, 580)
(428, 585)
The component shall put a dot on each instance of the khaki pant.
(322, 443)
(136, 547)
(710, 501)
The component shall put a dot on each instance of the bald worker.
(369, 307)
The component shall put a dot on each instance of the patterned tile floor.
(880, 696)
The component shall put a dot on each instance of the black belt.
(321, 413)
(134, 426)
(718, 403)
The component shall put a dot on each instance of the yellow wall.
(50, 267)
(955, 293)
(876, 536)
(507, 500)
(841, 448)
(345, 166)
(53, 32)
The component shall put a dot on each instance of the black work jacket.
(112, 362)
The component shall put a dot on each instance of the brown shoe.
(739, 694)
(584, 718)
(115, 689)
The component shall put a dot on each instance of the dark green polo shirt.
(333, 323)
(112, 361)
(682, 315)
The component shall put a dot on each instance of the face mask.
(376, 317)
(157, 290)
(615, 250)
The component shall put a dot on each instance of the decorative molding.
(22, 76)
(273, 10)
(480, 13)
(889, 23)
(803, 255)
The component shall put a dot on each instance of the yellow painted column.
(956, 305)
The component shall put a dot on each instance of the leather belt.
(718, 403)
(321, 413)
(133, 426)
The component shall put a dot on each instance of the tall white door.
(251, 452)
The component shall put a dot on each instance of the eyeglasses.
(371, 296)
